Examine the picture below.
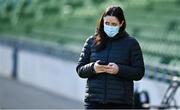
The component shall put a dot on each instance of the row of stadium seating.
(155, 23)
(157, 30)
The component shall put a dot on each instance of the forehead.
(111, 19)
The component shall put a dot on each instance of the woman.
(110, 60)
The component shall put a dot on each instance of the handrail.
(162, 72)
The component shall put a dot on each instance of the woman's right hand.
(99, 68)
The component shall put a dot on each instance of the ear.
(121, 23)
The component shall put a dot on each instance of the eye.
(114, 24)
(107, 23)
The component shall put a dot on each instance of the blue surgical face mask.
(111, 31)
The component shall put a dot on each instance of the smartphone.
(103, 63)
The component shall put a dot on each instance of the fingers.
(111, 64)
(99, 68)
(112, 68)
(109, 71)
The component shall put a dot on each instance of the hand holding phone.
(99, 66)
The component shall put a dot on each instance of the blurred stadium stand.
(156, 24)
(158, 30)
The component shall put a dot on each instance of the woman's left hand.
(112, 68)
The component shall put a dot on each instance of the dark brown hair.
(100, 36)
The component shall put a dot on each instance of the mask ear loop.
(122, 22)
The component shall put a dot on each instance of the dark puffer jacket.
(106, 88)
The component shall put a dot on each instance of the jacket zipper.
(105, 85)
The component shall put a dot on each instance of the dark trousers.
(94, 105)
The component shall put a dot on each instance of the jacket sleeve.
(85, 68)
(136, 70)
